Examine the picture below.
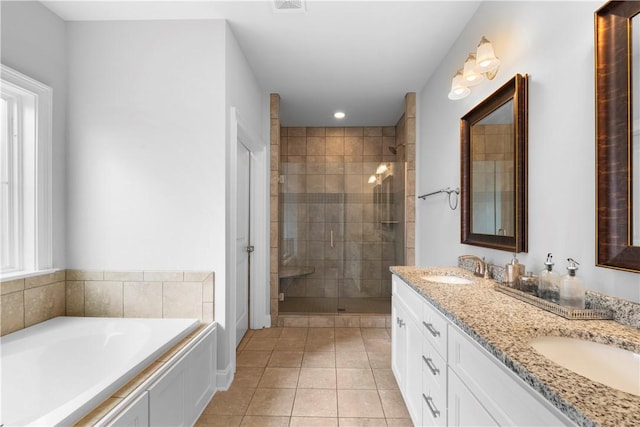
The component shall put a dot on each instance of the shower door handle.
(331, 234)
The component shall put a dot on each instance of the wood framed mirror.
(493, 169)
(617, 73)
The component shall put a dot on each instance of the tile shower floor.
(311, 377)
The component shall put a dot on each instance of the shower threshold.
(329, 306)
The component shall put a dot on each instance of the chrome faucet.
(481, 266)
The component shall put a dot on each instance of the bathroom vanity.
(461, 355)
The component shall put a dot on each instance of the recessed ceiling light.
(339, 115)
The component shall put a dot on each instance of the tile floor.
(311, 377)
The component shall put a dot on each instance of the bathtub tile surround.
(150, 294)
(25, 302)
(172, 294)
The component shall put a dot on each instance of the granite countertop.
(504, 326)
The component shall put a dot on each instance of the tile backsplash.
(168, 294)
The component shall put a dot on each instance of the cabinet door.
(134, 415)
(413, 397)
(166, 398)
(199, 378)
(464, 409)
(399, 343)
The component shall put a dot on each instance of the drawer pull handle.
(432, 367)
(400, 322)
(431, 329)
(432, 407)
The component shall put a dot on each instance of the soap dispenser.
(513, 270)
(549, 282)
(571, 287)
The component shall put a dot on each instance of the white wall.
(553, 42)
(146, 178)
(34, 43)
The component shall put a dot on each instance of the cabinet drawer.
(434, 328)
(434, 402)
(434, 370)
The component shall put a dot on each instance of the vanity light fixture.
(381, 169)
(458, 89)
(478, 66)
(372, 179)
(339, 115)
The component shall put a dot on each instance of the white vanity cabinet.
(448, 379)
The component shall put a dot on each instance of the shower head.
(394, 150)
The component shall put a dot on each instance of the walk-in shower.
(341, 219)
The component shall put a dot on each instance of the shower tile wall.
(324, 190)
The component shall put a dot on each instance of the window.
(25, 174)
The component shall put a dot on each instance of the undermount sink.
(606, 364)
(449, 280)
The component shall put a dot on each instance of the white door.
(243, 173)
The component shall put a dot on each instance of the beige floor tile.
(235, 401)
(247, 377)
(279, 378)
(209, 420)
(399, 422)
(375, 333)
(393, 404)
(261, 344)
(313, 359)
(267, 332)
(315, 403)
(294, 333)
(349, 344)
(264, 421)
(290, 344)
(347, 359)
(359, 404)
(376, 345)
(385, 379)
(317, 378)
(253, 359)
(355, 379)
(347, 332)
(272, 402)
(379, 360)
(320, 344)
(362, 422)
(313, 422)
(321, 333)
(286, 359)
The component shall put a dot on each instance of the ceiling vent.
(288, 6)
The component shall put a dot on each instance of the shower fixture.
(394, 150)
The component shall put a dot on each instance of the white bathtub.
(55, 372)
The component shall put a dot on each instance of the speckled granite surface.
(504, 326)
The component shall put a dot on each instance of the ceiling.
(357, 56)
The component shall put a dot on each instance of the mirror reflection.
(492, 173)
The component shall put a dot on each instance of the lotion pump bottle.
(513, 270)
(571, 287)
(549, 288)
